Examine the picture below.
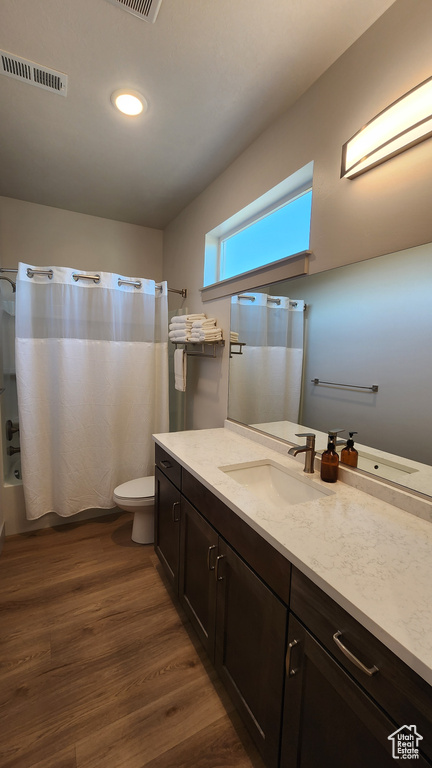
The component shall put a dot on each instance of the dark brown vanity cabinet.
(330, 709)
(250, 649)
(345, 692)
(197, 582)
(167, 525)
(328, 718)
(240, 621)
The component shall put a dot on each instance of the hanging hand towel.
(180, 360)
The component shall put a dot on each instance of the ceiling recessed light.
(129, 102)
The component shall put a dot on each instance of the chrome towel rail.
(373, 388)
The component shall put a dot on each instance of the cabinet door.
(197, 585)
(250, 649)
(328, 719)
(167, 526)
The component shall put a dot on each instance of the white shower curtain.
(265, 380)
(92, 379)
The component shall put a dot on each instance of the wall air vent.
(34, 74)
(144, 9)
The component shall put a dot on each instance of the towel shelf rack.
(198, 348)
(239, 344)
(373, 388)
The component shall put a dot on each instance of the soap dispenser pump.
(330, 459)
(349, 454)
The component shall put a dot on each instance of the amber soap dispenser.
(349, 454)
(330, 459)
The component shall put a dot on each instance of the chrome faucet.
(308, 449)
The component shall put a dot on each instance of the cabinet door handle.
(165, 464)
(290, 669)
(209, 551)
(218, 559)
(367, 670)
(174, 516)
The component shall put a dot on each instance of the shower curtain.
(265, 380)
(92, 379)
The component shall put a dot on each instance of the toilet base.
(143, 526)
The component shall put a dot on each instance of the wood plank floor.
(98, 667)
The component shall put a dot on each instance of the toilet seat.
(136, 492)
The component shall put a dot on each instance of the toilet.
(137, 496)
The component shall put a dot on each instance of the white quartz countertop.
(372, 558)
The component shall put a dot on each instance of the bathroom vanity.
(316, 614)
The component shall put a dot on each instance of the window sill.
(284, 269)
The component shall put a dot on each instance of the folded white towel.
(208, 323)
(234, 336)
(181, 323)
(180, 369)
(179, 336)
(216, 337)
(187, 318)
(211, 331)
(180, 326)
(199, 335)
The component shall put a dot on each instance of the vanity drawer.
(169, 466)
(403, 694)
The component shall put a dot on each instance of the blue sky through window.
(282, 233)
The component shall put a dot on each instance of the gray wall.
(370, 323)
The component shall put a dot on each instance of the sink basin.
(274, 483)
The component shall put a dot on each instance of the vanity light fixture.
(406, 122)
(129, 102)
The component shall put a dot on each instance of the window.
(269, 230)
(274, 236)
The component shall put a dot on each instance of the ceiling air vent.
(34, 74)
(144, 9)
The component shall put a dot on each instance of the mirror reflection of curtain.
(265, 380)
(92, 375)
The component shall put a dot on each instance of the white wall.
(45, 236)
(385, 210)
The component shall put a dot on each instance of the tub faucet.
(308, 449)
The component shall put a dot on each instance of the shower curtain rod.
(95, 278)
(270, 300)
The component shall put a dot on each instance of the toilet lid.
(140, 488)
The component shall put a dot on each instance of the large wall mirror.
(350, 348)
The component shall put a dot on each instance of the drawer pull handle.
(165, 464)
(218, 559)
(367, 670)
(290, 669)
(174, 516)
(209, 551)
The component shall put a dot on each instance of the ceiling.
(215, 73)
